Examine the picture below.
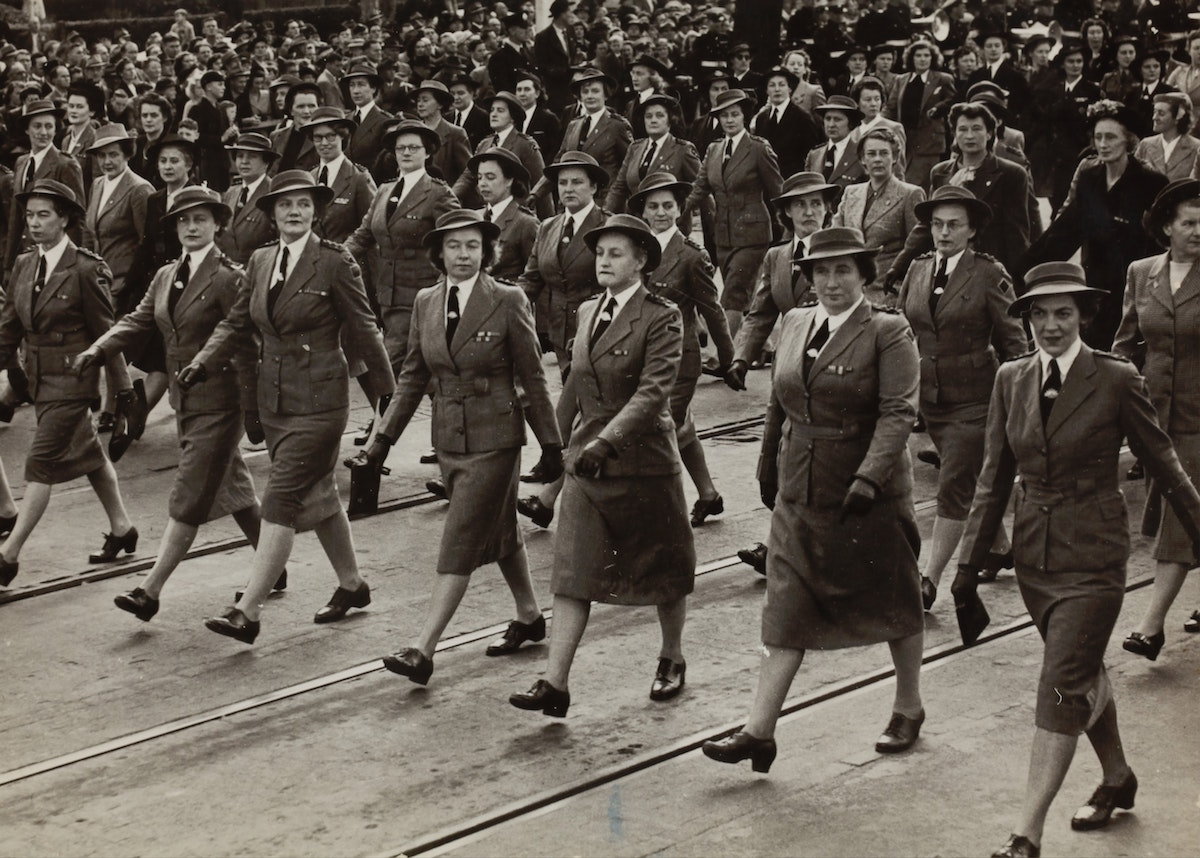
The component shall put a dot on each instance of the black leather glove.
(86, 360)
(192, 374)
(254, 429)
(550, 465)
(591, 458)
(735, 376)
(377, 453)
(768, 492)
(860, 497)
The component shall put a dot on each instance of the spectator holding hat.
(1171, 151)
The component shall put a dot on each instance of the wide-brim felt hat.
(843, 103)
(435, 88)
(333, 116)
(51, 188)
(583, 161)
(651, 62)
(1036, 41)
(39, 107)
(1052, 278)
(802, 184)
(1069, 46)
(290, 181)
(362, 69)
(589, 74)
(300, 86)
(514, 107)
(504, 156)
(175, 141)
(113, 133)
(636, 229)
(730, 98)
(1162, 210)
(710, 76)
(460, 219)
(660, 99)
(837, 241)
(252, 141)
(287, 80)
(660, 181)
(433, 140)
(198, 196)
(791, 77)
(980, 212)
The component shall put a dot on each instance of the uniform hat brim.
(1022, 305)
(198, 197)
(835, 242)
(634, 228)
(729, 99)
(586, 77)
(240, 145)
(54, 190)
(294, 181)
(1163, 208)
(497, 153)
(433, 140)
(598, 173)
(514, 106)
(981, 212)
(461, 219)
(175, 141)
(658, 182)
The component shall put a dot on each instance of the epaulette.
(979, 254)
(439, 181)
(928, 254)
(504, 282)
(810, 302)
(325, 242)
(230, 264)
(1112, 356)
(756, 137)
(93, 254)
(527, 210)
(691, 243)
(659, 299)
(1029, 353)
(687, 144)
(235, 181)
(267, 243)
(883, 308)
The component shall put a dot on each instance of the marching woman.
(299, 294)
(353, 187)
(1057, 419)
(57, 302)
(474, 339)
(657, 151)
(957, 301)
(842, 558)
(1161, 331)
(185, 302)
(741, 173)
(501, 179)
(684, 277)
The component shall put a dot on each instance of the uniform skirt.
(624, 541)
(958, 434)
(481, 525)
(301, 491)
(834, 584)
(65, 446)
(1075, 612)
(212, 480)
(1174, 545)
(739, 273)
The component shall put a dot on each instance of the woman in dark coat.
(1058, 418)
(842, 555)
(473, 339)
(656, 151)
(302, 297)
(57, 302)
(1160, 331)
(1104, 218)
(957, 301)
(184, 304)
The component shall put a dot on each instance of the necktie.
(829, 162)
(939, 286)
(487, 214)
(776, 115)
(495, 141)
(586, 129)
(870, 202)
(243, 197)
(1050, 390)
(39, 280)
(568, 234)
(820, 338)
(799, 253)
(30, 173)
(394, 199)
(323, 176)
(645, 165)
(606, 317)
(358, 117)
(728, 154)
(451, 315)
(458, 118)
(182, 276)
(277, 286)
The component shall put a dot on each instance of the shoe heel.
(762, 757)
(558, 709)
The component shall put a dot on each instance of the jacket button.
(1046, 510)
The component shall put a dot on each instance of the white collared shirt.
(595, 117)
(501, 136)
(54, 255)
(1168, 148)
(410, 181)
(664, 237)
(253, 186)
(737, 140)
(39, 157)
(1177, 272)
(108, 187)
(799, 241)
(464, 295)
(294, 249)
(195, 257)
(777, 109)
(498, 208)
(621, 298)
(365, 111)
(333, 166)
(951, 261)
(839, 149)
(646, 94)
(580, 216)
(995, 67)
(835, 321)
(1065, 360)
(867, 126)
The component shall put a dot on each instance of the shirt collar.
(253, 186)
(580, 216)
(737, 138)
(664, 238)
(951, 261)
(464, 292)
(798, 240)
(498, 208)
(1065, 360)
(595, 116)
(501, 136)
(295, 248)
(198, 256)
(38, 157)
(412, 178)
(836, 321)
(334, 166)
(622, 299)
(54, 255)
(366, 108)
(839, 147)
(109, 184)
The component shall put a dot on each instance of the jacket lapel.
(841, 339)
(844, 163)
(1077, 387)
(883, 204)
(665, 151)
(302, 271)
(622, 325)
(1160, 283)
(198, 281)
(578, 245)
(741, 153)
(412, 199)
(56, 279)
(1189, 290)
(670, 257)
(480, 306)
(957, 280)
(124, 186)
(341, 182)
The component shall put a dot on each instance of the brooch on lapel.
(839, 370)
(341, 201)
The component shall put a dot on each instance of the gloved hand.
(377, 453)
(768, 492)
(550, 465)
(735, 376)
(192, 374)
(85, 360)
(860, 497)
(591, 458)
(254, 429)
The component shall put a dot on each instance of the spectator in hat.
(181, 28)
(450, 159)
(294, 146)
(855, 60)
(330, 64)
(1171, 151)
(919, 101)
(214, 129)
(1062, 109)
(743, 77)
(554, 54)
(1186, 78)
(512, 54)
(998, 68)
(464, 112)
(1151, 67)
(790, 131)
(648, 78)
(540, 123)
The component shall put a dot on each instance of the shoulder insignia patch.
(1111, 356)
(659, 299)
(979, 254)
(883, 308)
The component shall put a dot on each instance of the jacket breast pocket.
(328, 383)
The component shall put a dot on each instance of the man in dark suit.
(553, 52)
(999, 70)
(540, 122)
(786, 127)
(502, 65)
(464, 112)
(361, 86)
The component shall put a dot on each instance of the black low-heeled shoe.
(1148, 646)
(516, 634)
(364, 433)
(430, 458)
(900, 734)
(742, 746)
(139, 603)
(7, 412)
(8, 571)
(930, 457)
(928, 592)
(543, 697)
(234, 624)
(1107, 797)
(114, 545)
(533, 509)
(342, 601)
(702, 509)
(992, 566)
(755, 557)
(437, 488)
(278, 587)
(1018, 846)
(668, 679)
(1192, 623)
(412, 663)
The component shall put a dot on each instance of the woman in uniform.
(741, 173)
(684, 277)
(957, 301)
(501, 179)
(186, 300)
(842, 558)
(249, 228)
(657, 151)
(353, 187)
(474, 339)
(57, 302)
(622, 468)
(299, 294)
(1058, 418)
(1160, 331)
